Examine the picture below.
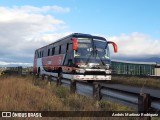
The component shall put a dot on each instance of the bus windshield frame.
(92, 49)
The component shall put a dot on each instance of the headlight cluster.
(82, 65)
(80, 71)
(108, 71)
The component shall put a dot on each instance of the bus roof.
(86, 35)
(81, 35)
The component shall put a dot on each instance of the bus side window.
(45, 52)
(48, 52)
(70, 47)
(35, 54)
(69, 55)
(53, 50)
(67, 47)
(57, 50)
(63, 49)
(42, 54)
(38, 54)
(60, 49)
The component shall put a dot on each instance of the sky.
(26, 25)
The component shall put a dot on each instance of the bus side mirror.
(114, 46)
(75, 43)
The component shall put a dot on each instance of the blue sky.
(134, 25)
(108, 17)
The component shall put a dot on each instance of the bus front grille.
(95, 73)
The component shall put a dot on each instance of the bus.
(76, 57)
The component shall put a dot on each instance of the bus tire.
(39, 71)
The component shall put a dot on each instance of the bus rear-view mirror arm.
(114, 46)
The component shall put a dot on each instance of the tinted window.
(53, 50)
(63, 49)
(67, 46)
(57, 50)
(38, 54)
(70, 47)
(48, 52)
(60, 49)
(42, 54)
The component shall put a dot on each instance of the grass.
(15, 90)
(136, 81)
(26, 94)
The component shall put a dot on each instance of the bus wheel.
(39, 70)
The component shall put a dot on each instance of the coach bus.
(76, 57)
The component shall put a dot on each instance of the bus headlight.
(108, 71)
(83, 66)
(80, 71)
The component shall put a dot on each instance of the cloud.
(32, 9)
(25, 28)
(136, 45)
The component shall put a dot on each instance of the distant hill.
(14, 64)
(10, 65)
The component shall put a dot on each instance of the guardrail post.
(59, 81)
(73, 86)
(96, 91)
(144, 103)
(49, 80)
(42, 76)
(34, 77)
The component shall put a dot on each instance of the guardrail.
(143, 102)
(140, 76)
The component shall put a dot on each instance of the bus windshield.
(92, 49)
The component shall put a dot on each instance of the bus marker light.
(75, 44)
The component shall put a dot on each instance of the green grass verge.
(136, 81)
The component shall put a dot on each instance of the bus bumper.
(87, 77)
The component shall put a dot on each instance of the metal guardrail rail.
(139, 76)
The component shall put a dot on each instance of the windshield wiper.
(94, 52)
(89, 57)
(98, 55)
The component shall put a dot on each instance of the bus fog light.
(82, 65)
(80, 71)
(108, 71)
